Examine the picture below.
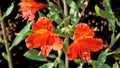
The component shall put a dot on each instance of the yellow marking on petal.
(41, 31)
(29, 4)
(82, 37)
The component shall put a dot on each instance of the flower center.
(41, 31)
(29, 4)
(82, 37)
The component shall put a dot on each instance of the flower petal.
(42, 23)
(92, 44)
(37, 40)
(26, 11)
(83, 30)
(33, 41)
(58, 44)
(84, 54)
(45, 50)
(36, 6)
(72, 51)
(29, 8)
(35, 27)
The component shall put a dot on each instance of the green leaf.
(63, 29)
(107, 14)
(117, 51)
(5, 56)
(65, 44)
(118, 23)
(54, 14)
(69, 2)
(108, 7)
(102, 57)
(61, 64)
(53, 6)
(80, 62)
(58, 32)
(111, 17)
(112, 36)
(112, 23)
(52, 56)
(100, 12)
(74, 10)
(73, 15)
(115, 65)
(40, 14)
(9, 10)
(21, 35)
(97, 64)
(80, 65)
(79, 3)
(33, 55)
(73, 5)
(47, 65)
(28, 33)
(58, 19)
(1, 40)
(104, 14)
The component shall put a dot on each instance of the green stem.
(65, 10)
(66, 62)
(112, 43)
(66, 59)
(57, 60)
(6, 41)
(62, 12)
(66, 15)
(83, 10)
(82, 13)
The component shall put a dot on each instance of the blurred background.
(100, 25)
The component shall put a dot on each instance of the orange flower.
(83, 43)
(29, 8)
(43, 37)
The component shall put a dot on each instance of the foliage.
(65, 18)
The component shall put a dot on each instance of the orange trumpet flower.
(43, 37)
(83, 43)
(29, 8)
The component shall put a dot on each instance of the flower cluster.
(43, 37)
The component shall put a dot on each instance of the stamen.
(39, 53)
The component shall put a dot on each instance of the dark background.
(15, 25)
